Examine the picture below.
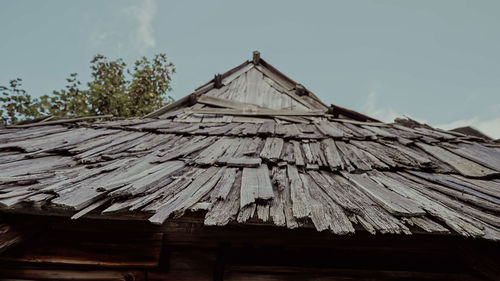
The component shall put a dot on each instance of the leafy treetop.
(113, 89)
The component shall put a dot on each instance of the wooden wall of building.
(103, 250)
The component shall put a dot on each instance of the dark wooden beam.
(220, 262)
(336, 110)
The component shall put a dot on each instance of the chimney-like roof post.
(300, 90)
(256, 57)
(218, 81)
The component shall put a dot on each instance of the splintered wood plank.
(230, 151)
(287, 153)
(225, 210)
(14, 135)
(120, 206)
(267, 128)
(411, 189)
(149, 180)
(75, 176)
(308, 153)
(45, 165)
(325, 213)
(248, 147)
(96, 142)
(25, 179)
(263, 211)
(309, 131)
(237, 131)
(37, 201)
(372, 160)
(331, 154)
(272, 149)
(243, 162)
(478, 153)
(434, 133)
(429, 225)
(61, 139)
(297, 153)
(223, 187)
(462, 192)
(276, 210)
(195, 144)
(290, 130)
(370, 215)
(244, 129)
(388, 155)
(246, 212)
(489, 187)
(215, 130)
(334, 191)
(116, 140)
(389, 200)
(154, 201)
(187, 197)
(90, 208)
(402, 133)
(361, 131)
(283, 184)
(353, 155)
(193, 199)
(155, 141)
(83, 193)
(210, 154)
(462, 165)
(249, 188)
(381, 132)
(255, 184)
(300, 205)
(328, 129)
(454, 201)
(421, 158)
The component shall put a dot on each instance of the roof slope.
(254, 146)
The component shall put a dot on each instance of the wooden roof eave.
(187, 100)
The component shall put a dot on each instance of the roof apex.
(257, 84)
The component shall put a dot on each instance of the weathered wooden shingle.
(258, 149)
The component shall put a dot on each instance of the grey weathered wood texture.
(255, 151)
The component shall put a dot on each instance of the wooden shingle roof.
(253, 146)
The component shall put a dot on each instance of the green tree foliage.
(113, 89)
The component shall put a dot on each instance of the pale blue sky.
(436, 61)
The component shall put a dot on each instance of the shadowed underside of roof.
(253, 146)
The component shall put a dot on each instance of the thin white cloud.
(489, 127)
(383, 114)
(145, 34)
(125, 30)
